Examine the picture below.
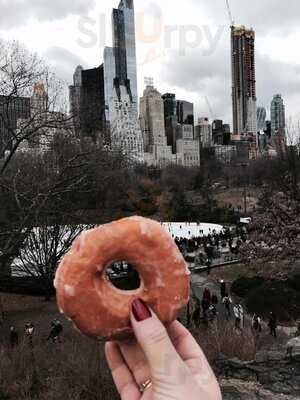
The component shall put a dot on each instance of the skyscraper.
(170, 109)
(261, 118)
(39, 101)
(75, 99)
(220, 133)
(277, 115)
(203, 132)
(243, 82)
(120, 82)
(153, 128)
(170, 104)
(11, 109)
(185, 112)
(87, 102)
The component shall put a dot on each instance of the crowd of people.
(208, 246)
(56, 329)
(210, 305)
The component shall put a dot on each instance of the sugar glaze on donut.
(99, 309)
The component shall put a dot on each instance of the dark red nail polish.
(140, 310)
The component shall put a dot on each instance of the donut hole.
(123, 276)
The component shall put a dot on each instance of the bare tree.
(275, 233)
(56, 188)
(20, 73)
(42, 250)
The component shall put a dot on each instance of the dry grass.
(223, 338)
(66, 371)
(76, 369)
(235, 197)
(233, 272)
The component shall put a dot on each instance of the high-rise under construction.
(243, 83)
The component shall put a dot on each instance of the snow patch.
(189, 230)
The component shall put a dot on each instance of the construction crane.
(209, 108)
(229, 13)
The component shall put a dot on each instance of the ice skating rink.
(189, 230)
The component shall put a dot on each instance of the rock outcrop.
(271, 376)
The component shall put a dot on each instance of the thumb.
(154, 340)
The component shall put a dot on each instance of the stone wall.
(272, 375)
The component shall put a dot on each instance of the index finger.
(193, 356)
(187, 347)
(121, 374)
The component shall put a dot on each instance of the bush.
(224, 339)
(242, 286)
(189, 258)
(277, 297)
(24, 285)
(294, 282)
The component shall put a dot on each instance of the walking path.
(200, 282)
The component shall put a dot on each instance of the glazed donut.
(99, 309)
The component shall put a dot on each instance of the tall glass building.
(185, 112)
(120, 82)
(11, 109)
(87, 103)
(261, 118)
(277, 115)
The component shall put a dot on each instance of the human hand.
(171, 359)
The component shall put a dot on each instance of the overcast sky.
(183, 45)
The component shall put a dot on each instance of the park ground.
(76, 368)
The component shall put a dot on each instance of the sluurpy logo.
(153, 35)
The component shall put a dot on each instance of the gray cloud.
(19, 12)
(210, 77)
(63, 61)
(264, 15)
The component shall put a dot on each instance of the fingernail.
(140, 310)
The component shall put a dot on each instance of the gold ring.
(146, 385)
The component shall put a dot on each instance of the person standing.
(28, 332)
(238, 315)
(227, 302)
(13, 337)
(223, 289)
(205, 307)
(56, 330)
(214, 299)
(256, 324)
(272, 324)
(207, 295)
(196, 316)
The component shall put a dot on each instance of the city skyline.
(172, 73)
